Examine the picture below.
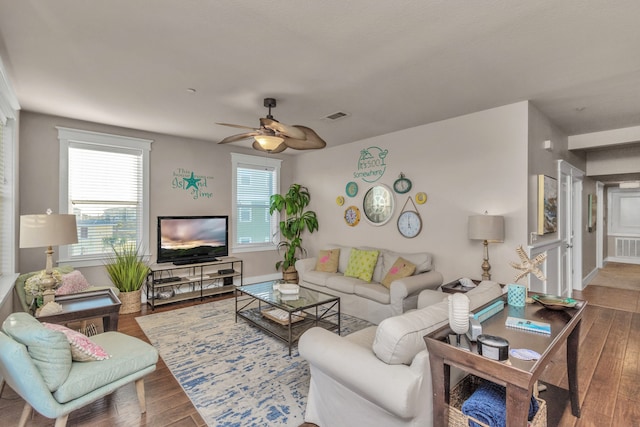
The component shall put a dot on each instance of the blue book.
(528, 325)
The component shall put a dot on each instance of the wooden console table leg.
(440, 385)
(572, 369)
(518, 401)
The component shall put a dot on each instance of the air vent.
(337, 116)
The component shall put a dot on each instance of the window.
(106, 185)
(8, 127)
(255, 179)
(624, 212)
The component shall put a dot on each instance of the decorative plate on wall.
(340, 200)
(421, 198)
(352, 216)
(352, 189)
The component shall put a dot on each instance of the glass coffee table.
(286, 316)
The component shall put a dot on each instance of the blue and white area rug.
(235, 374)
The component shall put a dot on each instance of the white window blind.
(106, 187)
(255, 180)
(3, 201)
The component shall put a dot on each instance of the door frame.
(571, 214)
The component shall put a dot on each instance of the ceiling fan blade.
(279, 149)
(238, 137)
(285, 130)
(312, 141)
(236, 126)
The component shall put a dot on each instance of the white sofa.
(379, 376)
(372, 301)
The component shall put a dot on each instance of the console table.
(519, 376)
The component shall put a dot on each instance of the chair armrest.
(402, 288)
(306, 264)
(392, 387)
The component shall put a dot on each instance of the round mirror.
(378, 204)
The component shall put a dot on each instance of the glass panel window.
(106, 187)
(255, 180)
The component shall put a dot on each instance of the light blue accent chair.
(36, 362)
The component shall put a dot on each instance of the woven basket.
(463, 391)
(131, 302)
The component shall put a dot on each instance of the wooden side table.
(519, 376)
(87, 305)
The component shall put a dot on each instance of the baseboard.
(589, 278)
(623, 260)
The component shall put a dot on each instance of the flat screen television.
(192, 239)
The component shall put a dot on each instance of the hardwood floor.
(609, 371)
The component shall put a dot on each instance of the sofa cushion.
(422, 260)
(401, 268)
(49, 350)
(82, 348)
(328, 260)
(343, 284)
(400, 338)
(319, 278)
(373, 291)
(343, 259)
(361, 264)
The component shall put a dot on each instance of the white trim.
(599, 224)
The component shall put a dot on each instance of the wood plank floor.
(609, 371)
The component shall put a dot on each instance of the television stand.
(168, 283)
(194, 261)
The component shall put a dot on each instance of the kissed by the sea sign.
(371, 165)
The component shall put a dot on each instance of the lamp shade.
(486, 227)
(47, 230)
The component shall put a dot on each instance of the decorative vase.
(290, 275)
(131, 302)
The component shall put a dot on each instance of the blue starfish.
(192, 182)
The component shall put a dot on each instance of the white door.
(569, 226)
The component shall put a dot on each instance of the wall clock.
(352, 189)
(378, 204)
(409, 221)
(352, 216)
(402, 185)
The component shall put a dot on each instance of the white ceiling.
(390, 65)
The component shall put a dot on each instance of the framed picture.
(592, 212)
(547, 205)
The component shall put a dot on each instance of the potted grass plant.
(296, 220)
(128, 271)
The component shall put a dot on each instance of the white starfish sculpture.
(527, 265)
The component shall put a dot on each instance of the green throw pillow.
(361, 264)
(49, 350)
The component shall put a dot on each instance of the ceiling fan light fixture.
(269, 142)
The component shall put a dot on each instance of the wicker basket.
(131, 302)
(463, 391)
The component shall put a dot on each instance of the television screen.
(192, 239)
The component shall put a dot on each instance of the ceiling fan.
(275, 137)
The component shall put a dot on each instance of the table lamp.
(489, 229)
(47, 231)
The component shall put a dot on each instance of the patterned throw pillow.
(328, 260)
(82, 348)
(361, 264)
(72, 283)
(401, 268)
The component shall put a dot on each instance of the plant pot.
(290, 275)
(131, 302)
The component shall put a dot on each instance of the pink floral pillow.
(72, 283)
(82, 348)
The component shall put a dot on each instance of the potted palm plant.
(128, 272)
(295, 221)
